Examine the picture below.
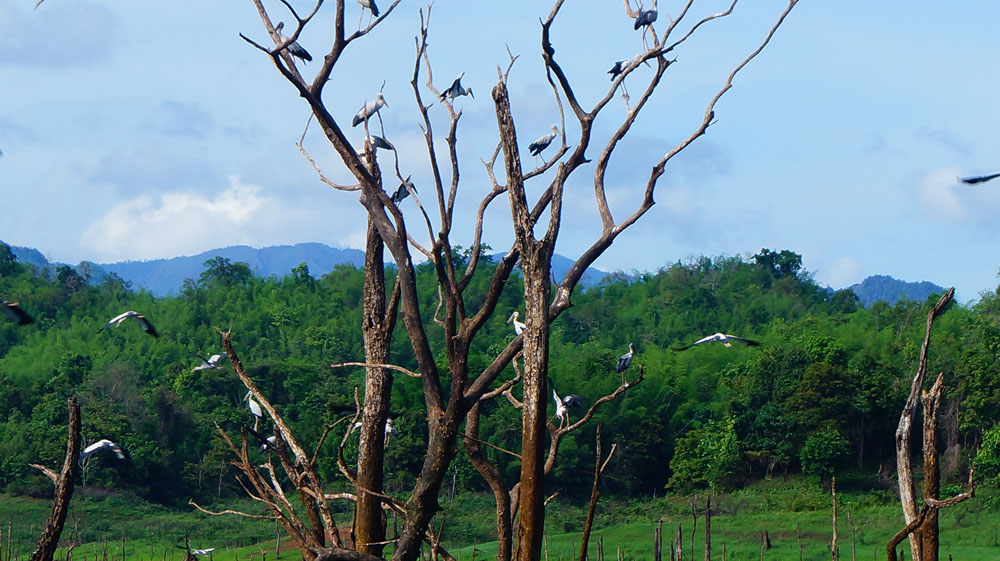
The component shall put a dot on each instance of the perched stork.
(370, 4)
(723, 338)
(403, 190)
(564, 403)
(207, 364)
(370, 108)
(645, 18)
(102, 444)
(255, 409)
(979, 178)
(542, 142)
(518, 326)
(143, 322)
(456, 89)
(269, 442)
(618, 68)
(625, 360)
(294, 48)
(15, 313)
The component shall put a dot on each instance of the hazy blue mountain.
(29, 255)
(883, 288)
(165, 276)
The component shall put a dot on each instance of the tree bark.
(49, 539)
(929, 531)
(377, 326)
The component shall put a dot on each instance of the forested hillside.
(820, 394)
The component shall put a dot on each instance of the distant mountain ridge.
(162, 277)
(884, 288)
(165, 276)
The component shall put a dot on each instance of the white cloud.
(174, 223)
(937, 195)
(842, 272)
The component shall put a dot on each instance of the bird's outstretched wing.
(979, 178)
(18, 315)
(147, 326)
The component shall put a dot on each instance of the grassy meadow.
(795, 514)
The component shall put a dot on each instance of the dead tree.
(64, 482)
(595, 492)
(922, 525)
(460, 322)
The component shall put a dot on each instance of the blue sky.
(134, 131)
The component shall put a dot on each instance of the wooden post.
(833, 493)
(658, 542)
(708, 529)
(680, 543)
(694, 523)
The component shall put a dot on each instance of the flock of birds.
(643, 20)
(565, 402)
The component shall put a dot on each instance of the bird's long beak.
(511, 318)
(472, 94)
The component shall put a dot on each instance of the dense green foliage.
(820, 395)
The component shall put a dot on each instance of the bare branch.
(228, 511)
(47, 472)
(322, 177)
(409, 373)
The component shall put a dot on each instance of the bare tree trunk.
(377, 325)
(907, 493)
(495, 480)
(64, 482)
(536, 260)
(595, 493)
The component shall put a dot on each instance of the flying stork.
(102, 444)
(15, 313)
(143, 322)
(723, 338)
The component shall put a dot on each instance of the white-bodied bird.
(255, 408)
(723, 338)
(102, 444)
(625, 360)
(370, 4)
(542, 142)
(211, 362)
(294, 48)
(368, 109)
(143, 322)
(456, 89)
(518, 326)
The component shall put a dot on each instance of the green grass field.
(795, 515)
